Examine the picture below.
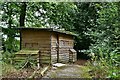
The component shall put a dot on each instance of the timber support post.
(57, 48)
(39, 64)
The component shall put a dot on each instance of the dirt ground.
(81, 62)
(76, 70)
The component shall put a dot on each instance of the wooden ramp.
(24, 54)
(38, 57)
(27, 52)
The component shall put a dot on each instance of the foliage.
(8, 21)
(107, 67)
(105, 50)
(97, 26)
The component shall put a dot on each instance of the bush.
(104, 65)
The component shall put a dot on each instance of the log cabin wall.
(37, 40)
(65, 44)
(54, 47)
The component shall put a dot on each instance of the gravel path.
(67, 71)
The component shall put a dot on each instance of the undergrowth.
(105, 66)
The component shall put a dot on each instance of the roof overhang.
(49, 29)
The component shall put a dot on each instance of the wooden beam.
(57, 47)
(50, 47)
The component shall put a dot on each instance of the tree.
(8, 20)
(23, 14)
(22, 17)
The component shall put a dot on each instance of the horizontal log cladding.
(52, 45)
(32, 39)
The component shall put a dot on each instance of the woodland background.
(97, 26)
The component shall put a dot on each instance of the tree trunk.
(22, 14)
(22, 18)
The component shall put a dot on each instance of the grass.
(0, 64)
(7, 69)
(103, 71)
(85, 70)
(0, 68)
